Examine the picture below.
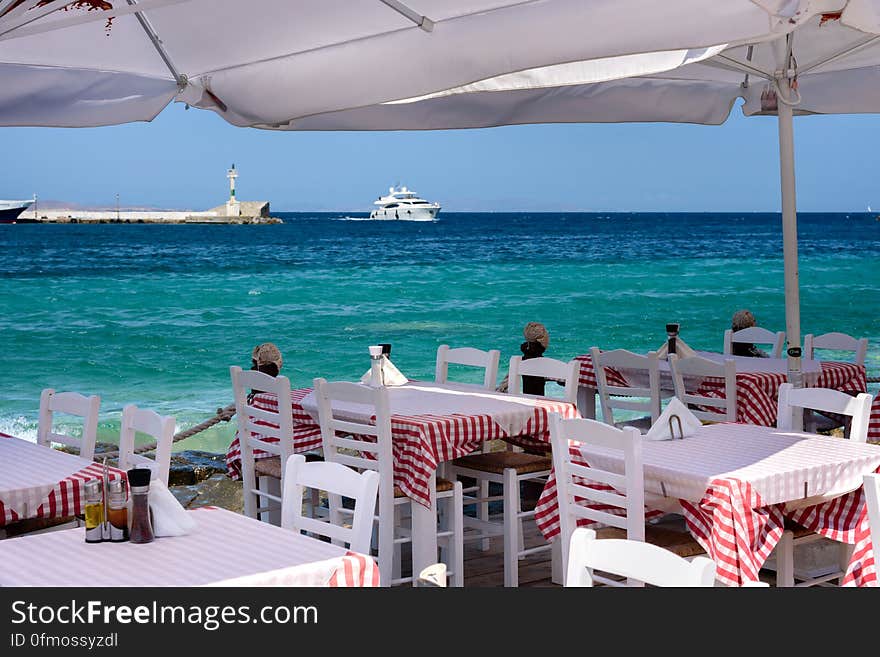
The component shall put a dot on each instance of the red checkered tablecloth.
(40, 482)
(756, 392)
(739, 530)
(874, 427)
(420, 442)
(356, 570)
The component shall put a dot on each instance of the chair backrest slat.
(624, 397)
(755, 335)
(158, 427)
(635, 560)
(836, 342)
(470, 357)
(69, 403)
(793, 401)
(548, 368)
(694, 369)
(339, 481)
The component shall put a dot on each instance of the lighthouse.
(233, 207)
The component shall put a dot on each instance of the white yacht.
(9, 211)
(404, 204)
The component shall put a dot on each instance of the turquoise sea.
(155, 315)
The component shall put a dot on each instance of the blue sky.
(180, 159)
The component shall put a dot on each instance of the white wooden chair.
(793, 402)
(262, 479)
(755, 335)
(627, 497)
(158, 427)
(872, 500)
(791, 406)
(635, 560)
(70, 403)
(510, 469)
(340, 447)
(628, 397)
(836, 342)
(485, 360)
(339, 481)
(688, 371)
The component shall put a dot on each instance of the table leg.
(586, 402)
(424, 532)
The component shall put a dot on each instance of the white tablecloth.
(226, 549)
(510, 412)
(781, 466)
(29, 472)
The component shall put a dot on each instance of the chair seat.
(271, 466)
(443, 485)
(498, 462)
(679, 542)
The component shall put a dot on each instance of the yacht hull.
(10, 216)
(406, 214)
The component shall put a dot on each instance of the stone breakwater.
(252, 212)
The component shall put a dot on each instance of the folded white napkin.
(391, 376)
(660, 430)
(681, 349)
(169, 517)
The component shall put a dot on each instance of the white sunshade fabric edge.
(31, 96)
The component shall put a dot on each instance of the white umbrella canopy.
(837, 70)
(268, 62)
(826, 65)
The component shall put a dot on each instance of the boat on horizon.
(10, 211)
(405, 205)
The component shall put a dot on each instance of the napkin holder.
(390, 375)
(673, 420)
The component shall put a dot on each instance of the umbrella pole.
(789, 237)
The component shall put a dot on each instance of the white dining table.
(738, 470)
(31, 473)
(224, 549)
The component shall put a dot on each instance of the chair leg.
(483, 512)
(785, 560)
(511, 528)
(521, 543)
(397, 570)
(457, 548)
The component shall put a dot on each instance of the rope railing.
(222, 415)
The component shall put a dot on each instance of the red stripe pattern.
(874, 426)
(845, 519)
(420, 442)
(737, 531)
(356, 570)
(757, 392)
